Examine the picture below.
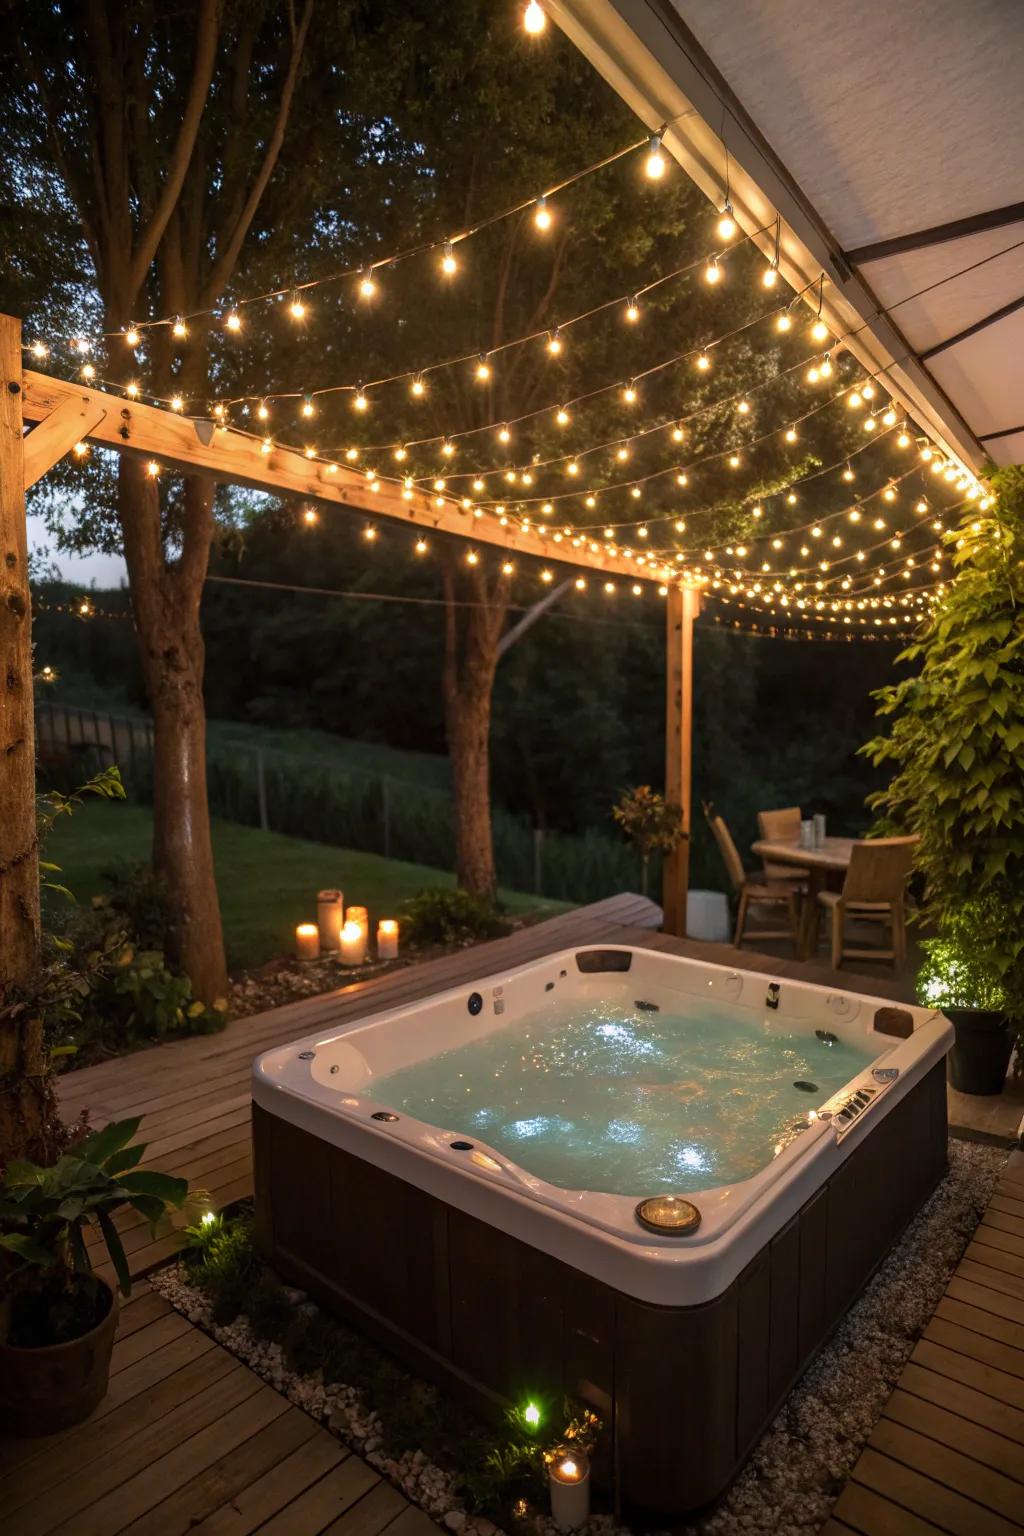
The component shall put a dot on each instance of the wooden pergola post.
(682, 607)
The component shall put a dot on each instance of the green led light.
(531, 1415)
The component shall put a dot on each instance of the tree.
(165, 128)
(956, 742)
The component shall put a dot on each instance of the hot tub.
(648, 1182)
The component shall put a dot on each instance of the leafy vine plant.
(955, 745)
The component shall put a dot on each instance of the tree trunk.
(26, 1099)
(472, 631)
(166, 599)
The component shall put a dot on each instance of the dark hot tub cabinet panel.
(684, 1391)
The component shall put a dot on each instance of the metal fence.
(322, 798)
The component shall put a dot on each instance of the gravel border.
(798, 1468)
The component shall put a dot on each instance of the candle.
(329, 917)
(569, 1484)
(387, 939)
(353, 944)
(307, 941)
(361, 916)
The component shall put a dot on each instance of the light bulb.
(744, 407)
(152, 469)
(813, 374)
(310, 516)
(784, 322)
(421, 546)
(360, 401)
(826, 367)
(233, 321)
(504, 435)
(131, 336)
(632, 311)
(401, 454)
(177, 403)
(855, 399)
(889, 417)
(554, 343)
(132, 390)
(308, 408)
(310, 452)
(819, 330)
(351, 454)
(449, 265)
(40, 349)
(542, 214)
(296, 308)
(88, 371)
(370, 533)
(572, 468)
(791, 434)
(507, 568)
(547, 576)
(848, 473)
(868, 390)
(622, 452)
(770, 276)
(713, 272)
(629, 394)
(263, 410)
(682, 478)
(418, 386)
(869, 424)
(179, 329)
(703, 362)
(726, 225)
(483, 370)
(266, 446)
(534, 19)
(655, 165)
(903, 441)
(448, 449)
(80, 450)
(562, 416)
(734, 461)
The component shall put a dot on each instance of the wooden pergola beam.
(189, 444)
(681, 609)
(56, 434)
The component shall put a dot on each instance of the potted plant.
(956, 979)
(652, 824)
(956, 744)
(57, 1316)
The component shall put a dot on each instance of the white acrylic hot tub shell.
(596, 1233)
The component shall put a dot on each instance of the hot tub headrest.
(591, 960)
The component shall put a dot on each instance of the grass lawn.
(267, 882)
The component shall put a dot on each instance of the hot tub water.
(628, 1102)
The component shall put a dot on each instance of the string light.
(131, 336)
(554, 342)
(483, 369)
(449, 264)
(367, 284)
(784, 322)
(542, 217)
(713, 272)
(770, 276)
(233, 321)
(534, 19)
(632, 311)
(296, 308)
(308, 408)
(726, 225)
(360, 402)
(655, 163)
(179, 330)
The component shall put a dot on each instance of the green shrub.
(440, 915)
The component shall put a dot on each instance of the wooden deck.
(947, 1454)
(191, 1440)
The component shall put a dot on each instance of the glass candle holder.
(387, 939)
(330, 918)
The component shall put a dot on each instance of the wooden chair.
(752, 891)
(874, 890)
(780, 827)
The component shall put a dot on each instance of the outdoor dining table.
(832, 857)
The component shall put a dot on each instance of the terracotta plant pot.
(43, 1390)
(981, 1053)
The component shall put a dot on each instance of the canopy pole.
(682, 607)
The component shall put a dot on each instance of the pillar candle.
(387, 939)
(330, 918)
(307, 941)
(353, 944)
(361, 916)
(569, 1485)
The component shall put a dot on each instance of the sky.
(92, 570)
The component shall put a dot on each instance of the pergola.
(724, 83)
